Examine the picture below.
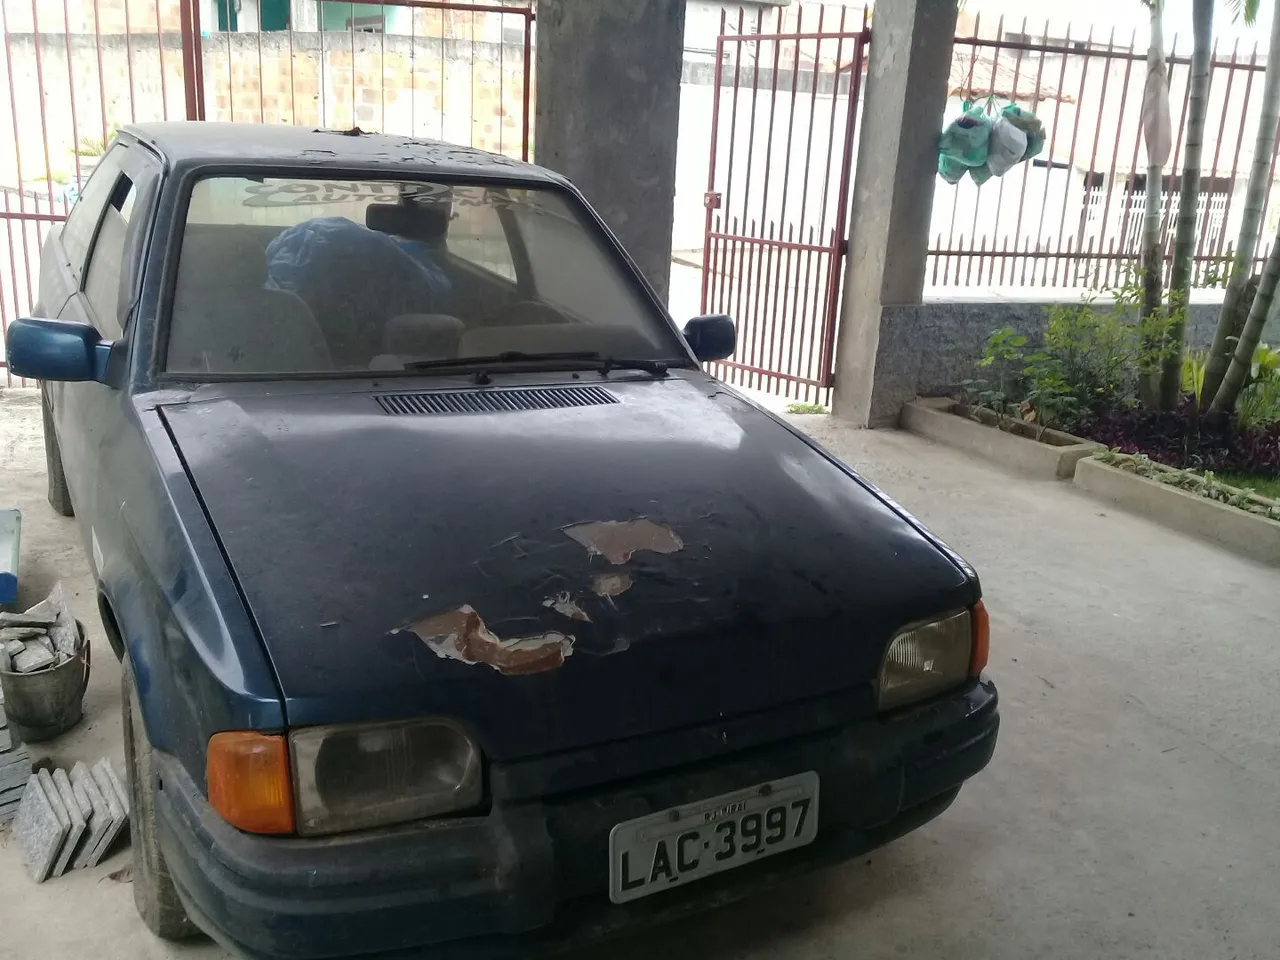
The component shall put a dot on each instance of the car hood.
(553, 577)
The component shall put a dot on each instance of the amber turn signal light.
(248, 777)
(981, 639)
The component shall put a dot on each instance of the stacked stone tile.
(15, 769)
(42, 637)
(70, 821)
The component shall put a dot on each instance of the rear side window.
(106, 262)
(77, 234)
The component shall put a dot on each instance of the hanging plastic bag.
(950, 169)
(980, 175)
(1006, 146)
(964, 142)
(1028, 123)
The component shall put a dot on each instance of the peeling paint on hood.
(617, 540)
(611, 584)
(461, 634)
(565, 605)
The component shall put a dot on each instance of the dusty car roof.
(190, 143)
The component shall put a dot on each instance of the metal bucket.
(48, 702)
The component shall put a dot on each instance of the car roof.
(199, 142)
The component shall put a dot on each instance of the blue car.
(462, 614)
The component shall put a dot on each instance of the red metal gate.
(784, 117)
(456, 71)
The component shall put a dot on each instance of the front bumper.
(532, 877)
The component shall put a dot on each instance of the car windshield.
(290, 276)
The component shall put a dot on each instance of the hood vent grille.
(492, 401)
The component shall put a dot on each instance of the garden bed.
(1016, 444)
(1237, 519)
(1184, 438)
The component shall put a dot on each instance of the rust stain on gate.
(455, 71)
(778, 192)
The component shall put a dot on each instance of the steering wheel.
(524, 313)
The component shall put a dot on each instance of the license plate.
(683, 844)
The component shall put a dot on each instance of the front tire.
(153, 891)
(59, 495)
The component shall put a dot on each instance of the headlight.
(369, 775)
(925, 659)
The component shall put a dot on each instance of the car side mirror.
(56, 350)
(712, 337)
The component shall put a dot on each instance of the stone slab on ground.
(11, 797)
(15, 770)
(99, 819)
(76, 817)
(116, 783)
(119, 814)
(38, 831)
(15, 773)
(59, 810)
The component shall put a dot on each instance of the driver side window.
(106, 261)
(82, 222)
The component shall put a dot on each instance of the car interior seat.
(225, 320)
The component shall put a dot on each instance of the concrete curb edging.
(933, 418)
(1237, 530)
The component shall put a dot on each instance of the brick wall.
(470, 93)
(112, 16)
(450, 89)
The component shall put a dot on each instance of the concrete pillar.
(910, 58)
(608, 105)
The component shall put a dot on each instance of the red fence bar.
(783, 125)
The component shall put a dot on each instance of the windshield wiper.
(589, 358)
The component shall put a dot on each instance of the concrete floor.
(1130, 810)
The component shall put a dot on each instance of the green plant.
(1259, 400)
(1266, 363)
(92, 146)
(1193, 364)
(1052, 401)
(1092, 360)
(1202, 484)
(806, 408)
(1093, 352)
(1004, 391)
(1258, 404)
(1262, 485)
